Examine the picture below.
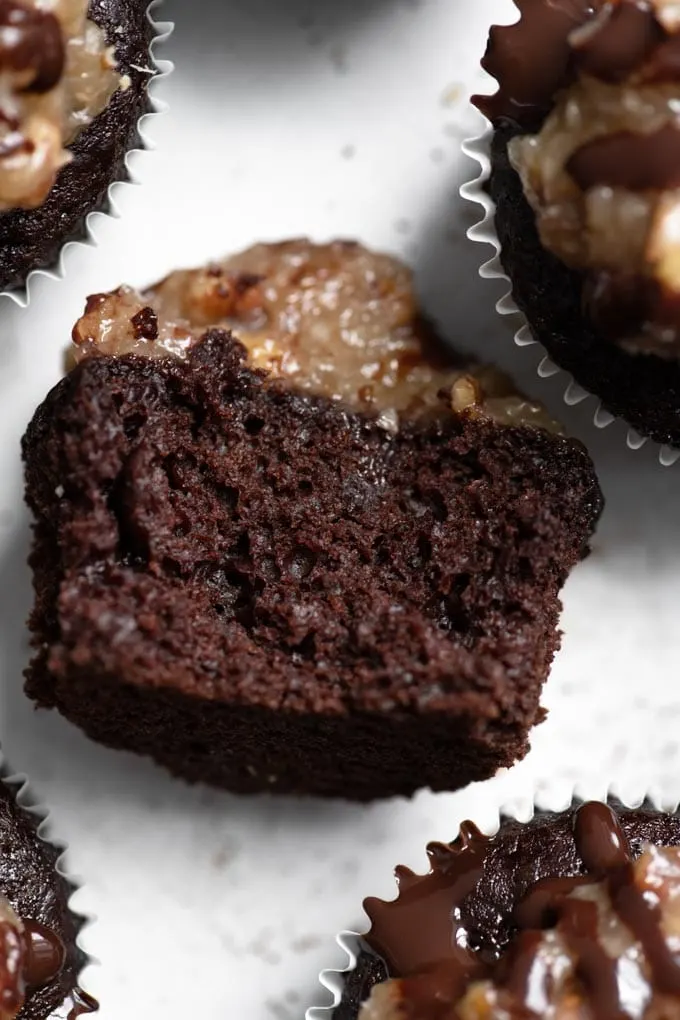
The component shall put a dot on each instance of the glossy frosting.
(601, 944)
(335, 320)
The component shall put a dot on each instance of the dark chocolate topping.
(419, 927)
(599, 838)
(540, 54)
(531, 59)
(617, 40)
(663, 64)
(643, 919)
(45, 954)
(80, 1003)
(538, 908)
(626, 160)
(522, 977)
(31, 40)
(29, 959)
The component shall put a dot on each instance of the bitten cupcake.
(286, 540)
(569, 915)
(75, 83)
(39, 957)
(585, 176)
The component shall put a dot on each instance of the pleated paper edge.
(483, 232)
(522, 807)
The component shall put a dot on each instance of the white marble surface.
(334, 117)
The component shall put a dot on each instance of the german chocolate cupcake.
(286, 540)
(570, 914)
(76, 77)
(40, 960)
(585, 172)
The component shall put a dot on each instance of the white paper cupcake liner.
(25, 797)
(557, 799)
(161, 69)
(484, 232)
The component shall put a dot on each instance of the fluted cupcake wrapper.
(484, 232)
(159, 69)
(557, 798)
(30, 804)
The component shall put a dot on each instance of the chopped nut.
(466, 393)
(335, 320)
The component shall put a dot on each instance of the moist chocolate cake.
(77, 79)
(39, 959)
(322, 558)
(585, 166)
(570, 914)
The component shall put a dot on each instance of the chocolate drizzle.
(626, 160)
(31, 956)
(554, 40)
(79, 1003)
(644, 920)
(421, 926)
(421, 938)
(618, 40)
(531, 59)
(600, 840)
(45, 954)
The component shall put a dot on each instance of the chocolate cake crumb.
(265, 589)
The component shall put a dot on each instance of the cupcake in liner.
(571, 909)
(40, 955)
(580, 202)
(77, 77)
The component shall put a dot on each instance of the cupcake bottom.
(369, 971)
(33, 238)
(644, 390)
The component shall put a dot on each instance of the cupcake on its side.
(585, 175)
(75, 83)
(286, 541)
(574, 914)
(40, 960)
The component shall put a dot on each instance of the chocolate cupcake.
(284, 540)
(585, 169)
(570, 914)
(39, 957)
(76, 80)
